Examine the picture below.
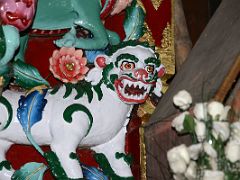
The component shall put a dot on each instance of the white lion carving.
(127, 76)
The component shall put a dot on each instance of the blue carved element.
(91, 55)
(30, 111)
(92, 173)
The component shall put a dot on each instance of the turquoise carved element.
(75, 14)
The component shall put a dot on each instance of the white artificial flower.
(213, 163)
(224, 115)
(178, 158)
(215, 109)
(200, 130)
(232, 151)
(191, 172)
(182, 99)
(200, 111)
(194, 150)
(235, 133)
(213, 175)
(179, 177)
(178, 121)
(221, 129)
(209, 150)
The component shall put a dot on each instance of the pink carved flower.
(18, 13)
(68, 65)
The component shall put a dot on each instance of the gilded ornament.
(156, 3)
(167, 56)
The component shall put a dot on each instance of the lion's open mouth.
(132, 91)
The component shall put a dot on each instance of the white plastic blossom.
(178, 121)
(182, 99)
(213, 163)
(200, 111)
(213, 175)
(178, 158)
(215, 109)
(221, 129)
(200, 130)
(232, 151)
(191, 172)
(209, 150)
(194, 150)
(224, 115)
(235, 133)
(179, 177)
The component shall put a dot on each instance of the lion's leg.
(114, 152)
(66, 138)
(5, 169)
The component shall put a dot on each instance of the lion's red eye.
(127, 66)
(149, 69)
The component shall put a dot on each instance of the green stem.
(33, 142)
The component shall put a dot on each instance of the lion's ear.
(101, 61)
(161, 71)
(158, 88)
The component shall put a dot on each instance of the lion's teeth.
(148, 88)
(135, 85)
(125, 82)
(139, 96)
(129, 83)
(140, 85)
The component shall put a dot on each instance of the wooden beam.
(228, 81)
(158, 141)
(209, 61)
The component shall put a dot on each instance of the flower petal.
(70, 51)
(182, 99)
(63, 51)
(178, 121)
(215, 109)
(78, 54)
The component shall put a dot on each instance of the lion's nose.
(28, 3)
(141, 74)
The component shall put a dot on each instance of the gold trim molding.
(167, 56)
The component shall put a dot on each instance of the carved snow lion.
(97, 120)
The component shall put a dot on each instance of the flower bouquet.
(215, 151)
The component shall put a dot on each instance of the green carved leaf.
(107, 169)
(55, 90)
(67, 114)
(88, 88)
(69, 88)
(98, 90)
(6, 103)
(2, 43)
(126, 157)
(134, 22)
(30, 171)
(27, 76)
(6, 165)
(55, 165)
(80, 92)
